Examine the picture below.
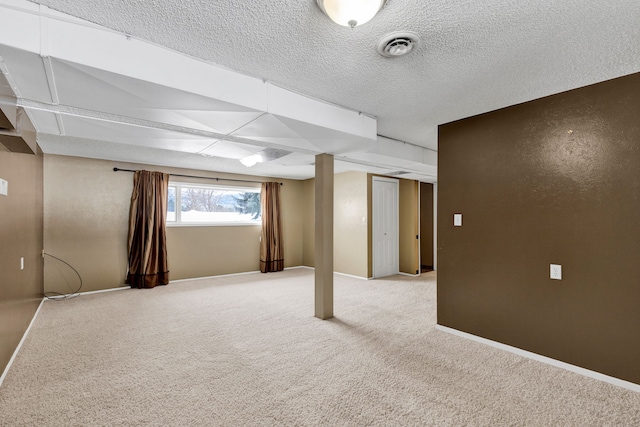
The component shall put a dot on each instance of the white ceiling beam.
(292, 105)
(399, 153)
(63, 110)
(61, 36)
(53, 34)
(20, 25)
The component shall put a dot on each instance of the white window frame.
(179, 185)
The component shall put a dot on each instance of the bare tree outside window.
(212, 204)
(204, 200)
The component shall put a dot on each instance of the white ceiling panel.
(230, 150)
(380, 159)
(45, 121)
(20, 21)
(170, 63)
(293, 133)
(134, 98)
(327, 140)
(295, 159)
(268, 128)
(5, 88)
(27, 71)
(346, 166)
(475, 56)
(303, 109)
(81, 127)
(122, 154)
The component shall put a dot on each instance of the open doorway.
(426, 227)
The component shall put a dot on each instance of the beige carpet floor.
(247, 351)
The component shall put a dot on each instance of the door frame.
(395, 181)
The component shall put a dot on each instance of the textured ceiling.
(475, 56)
(199, 84)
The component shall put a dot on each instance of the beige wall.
(409, 227)
(86, 211)
(292, 220)
(20, 236)
(210, 251)
(86, 214)
(351, 224)
(351, 235)
(86, 208)
(308, 219)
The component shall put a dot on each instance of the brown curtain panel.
(148, 265)
(271, 250)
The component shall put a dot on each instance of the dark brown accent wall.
(20, 236)
(555, 180)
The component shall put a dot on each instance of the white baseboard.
(350, 275)
(24, 336)
(236, 274)
(120, 288)
(544, 359)
(408, 274)
(299, 266)
(244, 273)
(99, 291)
(335, 272)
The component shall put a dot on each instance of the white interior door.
(386, 250)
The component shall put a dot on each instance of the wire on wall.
(58, 296)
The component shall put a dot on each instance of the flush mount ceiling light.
(398, 43)
(251, 160)
(266, 155)
(351, 12)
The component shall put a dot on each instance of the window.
(200, 204)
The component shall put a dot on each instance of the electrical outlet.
(555, 271)
(457, 220)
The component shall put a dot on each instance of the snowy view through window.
(191, 204)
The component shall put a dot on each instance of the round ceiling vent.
(398, 43)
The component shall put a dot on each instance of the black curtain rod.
(199, 177)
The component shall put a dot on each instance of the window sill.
(213, 224)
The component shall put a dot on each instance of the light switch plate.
(4, 187)
(457, 220)
(555, 271)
